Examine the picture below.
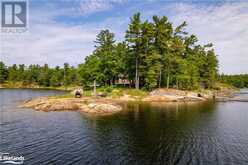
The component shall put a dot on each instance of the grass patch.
(136, 92)
(116, 93)
(67, 95)
(87, 93)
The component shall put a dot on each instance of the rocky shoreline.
(85, 105)
(110, 105)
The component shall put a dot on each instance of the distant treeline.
(239, 81)
(153, 54)
(39, 75)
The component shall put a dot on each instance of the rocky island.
(112, 102)
(85, 105)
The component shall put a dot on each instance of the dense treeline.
(239, 81)
(39, 75)
(153, 54)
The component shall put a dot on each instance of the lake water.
(205, 133)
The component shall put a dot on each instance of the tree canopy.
(153, 54)
(239, 81)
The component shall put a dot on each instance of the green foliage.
(108, 89)
(57, 76)
(134, 40)
(13, 73)
(154, 54)
(43, 76)
(117, 93)
(239, 81)
(3, 72)
(87, 93)
(136, 92)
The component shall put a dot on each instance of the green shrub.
(136, 92)
(116, 93)
(108, 89)
(87, 93)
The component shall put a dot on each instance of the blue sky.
(64, 30)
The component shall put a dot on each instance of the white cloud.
(225, 26)
(49, 43)
(93, 6)
(53, 42)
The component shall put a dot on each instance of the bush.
(87, 93)
(108, 89)
(136, 92)
(117, 93)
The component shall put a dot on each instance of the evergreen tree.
(133, 38)
(44, 76)
(57, 77)
(13, 73)
(105, 53)
(3, 72)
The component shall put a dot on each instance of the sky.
(62, 31)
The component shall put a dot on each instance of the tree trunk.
(65, 84)
(177, 83)
(94, 88)
(160, 75)
(113, 81)
(136, 74)
(168, 80)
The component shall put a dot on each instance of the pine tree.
(3, 72)
(105, 53)
(133, 38)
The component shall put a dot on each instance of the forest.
(153, 54)
(239, 81)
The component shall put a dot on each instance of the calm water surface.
(206, 133)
